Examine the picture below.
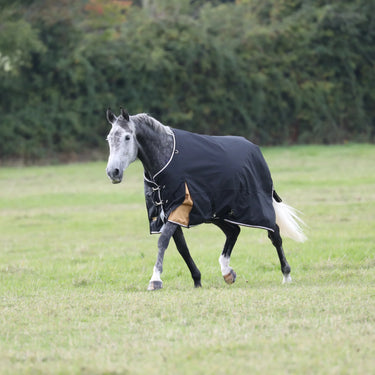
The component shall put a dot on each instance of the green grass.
(76, 258)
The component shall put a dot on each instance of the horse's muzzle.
(115, 175)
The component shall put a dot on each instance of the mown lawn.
(76, 258)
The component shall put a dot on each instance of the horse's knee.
(166, 235)
(163, 242)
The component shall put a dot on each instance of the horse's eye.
(127, 138)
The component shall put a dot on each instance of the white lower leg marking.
(156, 275)
(224, 264)
(287, 279)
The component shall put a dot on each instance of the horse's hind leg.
(182, 248)
(165, 236)
(278, 243)
(231, 231)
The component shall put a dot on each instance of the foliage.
(275, 71)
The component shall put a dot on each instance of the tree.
(275, 71)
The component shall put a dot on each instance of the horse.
(191, 179)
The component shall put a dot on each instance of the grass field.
(76, 258)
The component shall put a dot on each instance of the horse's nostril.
(116, 172)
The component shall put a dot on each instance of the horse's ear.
(125, 114)
(111, 118)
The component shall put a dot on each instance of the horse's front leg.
(165, 236)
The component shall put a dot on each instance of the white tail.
(288, 221)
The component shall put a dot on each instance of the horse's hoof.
(155, 285)
(231, 277)
(287, 279)
(197, 284)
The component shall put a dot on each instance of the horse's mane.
(144, 118)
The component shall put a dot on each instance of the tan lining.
(180, 215)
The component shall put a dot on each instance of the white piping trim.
(149, 181)
(247, 225)
(229, 221)
(186, 226)
(170, 159)
(181, 225)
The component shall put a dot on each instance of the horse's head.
(123, 147)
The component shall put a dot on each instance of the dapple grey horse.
(154, 144)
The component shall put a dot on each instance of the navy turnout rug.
(209, 178)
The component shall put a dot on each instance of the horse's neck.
(155, 143)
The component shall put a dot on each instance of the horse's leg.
(278, 243)
(231, 231)
(182, 248)
(166, 234)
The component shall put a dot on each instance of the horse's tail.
(288, 220)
